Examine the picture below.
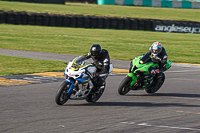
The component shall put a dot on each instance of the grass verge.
(15, 65)
(121, 44)
(105, 10)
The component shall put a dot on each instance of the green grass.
(105, 10)
(121, 44)
(15, 65)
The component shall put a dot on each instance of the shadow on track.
(145, 104)
(168, 95)
(131, 104)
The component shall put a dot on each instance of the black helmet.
(95, 50)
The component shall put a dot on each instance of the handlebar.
(88, 73)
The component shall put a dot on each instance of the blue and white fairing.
(75, 74)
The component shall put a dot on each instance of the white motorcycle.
(78, 83)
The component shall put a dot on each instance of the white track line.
(161, 126)
(183, 128)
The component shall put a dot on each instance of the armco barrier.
(152, 3)
(80, 21)
(41, 1)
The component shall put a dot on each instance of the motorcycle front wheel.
(124, 86)
(62, 96)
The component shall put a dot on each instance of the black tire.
(93, 97)
(62, 96)
(152, 88)
(124, 86)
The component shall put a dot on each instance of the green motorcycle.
(140, 77)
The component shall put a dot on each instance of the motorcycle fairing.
(142, 68)
(134, 78)
(72, 84)
(76, 65)
(81, 80)
(169, 64)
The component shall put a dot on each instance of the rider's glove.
(163, 69)
(94, 75)
(155, 71)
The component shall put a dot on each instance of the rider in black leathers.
(159, 56)
(101, 60)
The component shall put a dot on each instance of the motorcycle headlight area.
(72, 73)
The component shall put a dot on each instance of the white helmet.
(156, 48)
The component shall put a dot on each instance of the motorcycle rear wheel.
(124, 86)
(93, 97)
(62, 96)
(152, 88)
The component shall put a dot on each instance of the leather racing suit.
(102, 63)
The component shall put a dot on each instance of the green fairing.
(133, 77)
(169, 63)
(143, 67)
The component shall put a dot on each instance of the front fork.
(69, 80)
(134, 78)
(74, 83)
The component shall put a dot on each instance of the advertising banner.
(177, 27)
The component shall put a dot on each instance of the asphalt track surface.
(175, 108)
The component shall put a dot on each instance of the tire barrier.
(80, 21)
(41, 1)
(83, 1)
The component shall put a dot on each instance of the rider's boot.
(98, 89)
(157, 85)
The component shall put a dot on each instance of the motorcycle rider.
(159, 56)
(101, 60)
